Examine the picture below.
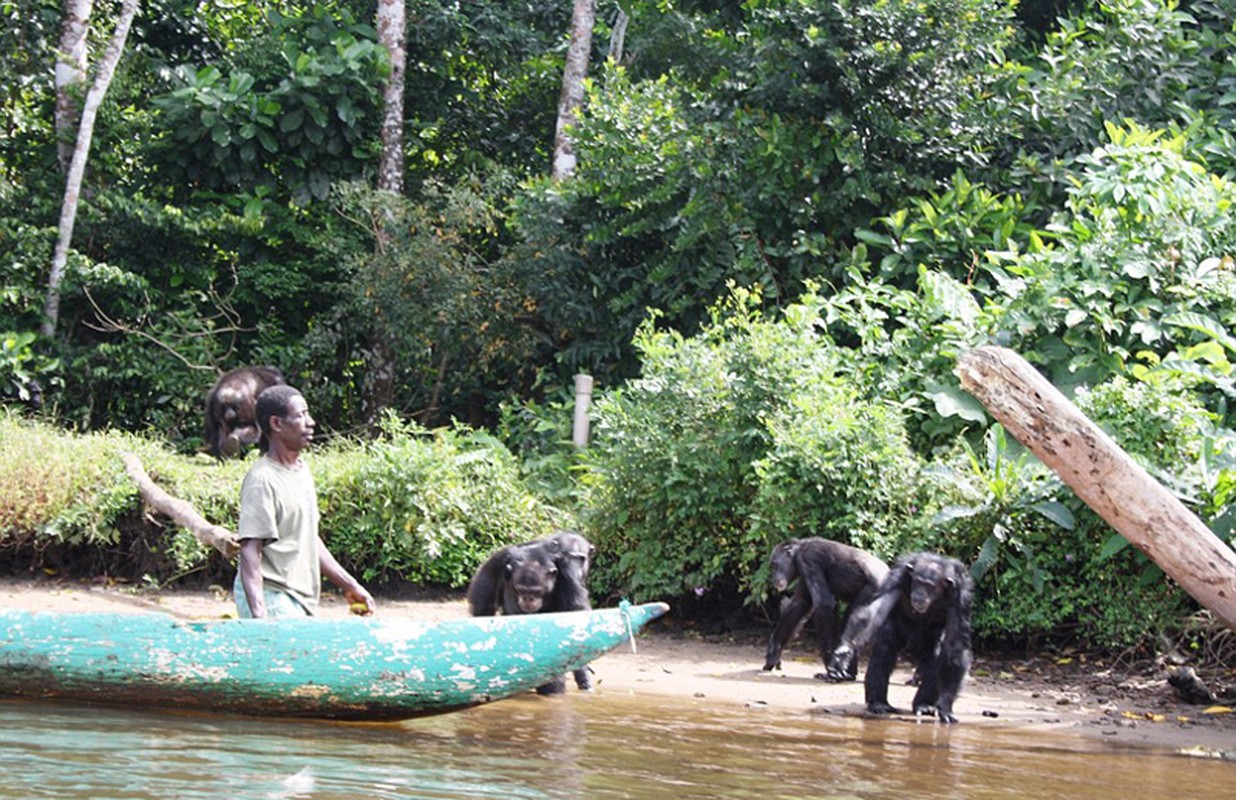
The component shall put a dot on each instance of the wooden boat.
(354, 669)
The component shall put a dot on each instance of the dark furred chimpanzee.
(827, 572)
(230, 421)
(922, 607)
(549, 574)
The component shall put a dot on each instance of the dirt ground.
(1131, 706)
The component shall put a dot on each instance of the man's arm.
(251, 576)
(352, 589)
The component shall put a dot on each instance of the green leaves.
(733, 440)
(301, 130)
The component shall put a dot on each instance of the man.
(282, 556)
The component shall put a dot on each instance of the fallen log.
(182, 512)
(1104, 476)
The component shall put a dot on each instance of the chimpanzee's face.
(781, 567)
(533, 582)
(928, 583)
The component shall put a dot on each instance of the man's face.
(295, 429)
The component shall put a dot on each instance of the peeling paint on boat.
(370, 668)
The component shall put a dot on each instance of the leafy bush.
(541, 435)
(413, 505)
(1142, 243)
(732, 441)
(1084, 595)
(59, 489)
(1049, 566)
(425, 507)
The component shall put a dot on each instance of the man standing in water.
(282, 556)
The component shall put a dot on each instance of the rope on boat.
(624, 607)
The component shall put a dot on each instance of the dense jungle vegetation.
(787, 220)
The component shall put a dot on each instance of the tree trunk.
(572, 97)
(618, 38)
(1104, 476)
(77, 166)
(391, 29)
(379, 385)
(72, 61)
(180, 511)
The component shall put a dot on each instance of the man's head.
(283, 414)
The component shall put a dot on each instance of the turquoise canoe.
(374, 668)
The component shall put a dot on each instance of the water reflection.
(571, 747)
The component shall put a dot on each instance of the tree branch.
(181, 511)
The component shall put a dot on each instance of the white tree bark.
(391, 23)
(572, 97)
(72, 61)
(77, 166)
(617, 39)
(1104, 476)
(181, 512)
(379, 389)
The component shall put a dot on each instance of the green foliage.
(804, 120)
(1044, 570)
(1140, 245)
(240, 132)
(731, 441)
(1114, 60)
(29, 29)
(25, 370)
(1084, 596)
(1170, 432)
(951, 232)
(59, 490)
(433, 289)
(911, 88)
(425, 507)
(1005, 508)
(541, 435)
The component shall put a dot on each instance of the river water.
(577, 746)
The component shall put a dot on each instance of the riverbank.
(1068, 697)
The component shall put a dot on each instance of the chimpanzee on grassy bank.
(923, 607)
(230, 405)
(549, 574)
(827, 572)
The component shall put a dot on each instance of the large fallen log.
(1104, 476)
(182, 512)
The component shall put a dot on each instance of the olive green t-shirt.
(279, 505)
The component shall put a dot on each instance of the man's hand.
(360, 602)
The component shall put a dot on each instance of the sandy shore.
(1065, 697)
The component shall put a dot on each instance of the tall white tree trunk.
(572, 97)
(379, 388)
(618, 38)
(77, 165)
(72, 61)
(391, 19)
(1104, 476)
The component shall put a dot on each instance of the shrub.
(731, 441)
(1047, 570)
(65, 499)
(426, 507)
(414, 505)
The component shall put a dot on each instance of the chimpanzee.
(827, 572)
(544, 575)
(922, 606)
(230, 422)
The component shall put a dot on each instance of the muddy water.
(572, 747)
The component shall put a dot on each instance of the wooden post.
(1103, 476)
(583, 399)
